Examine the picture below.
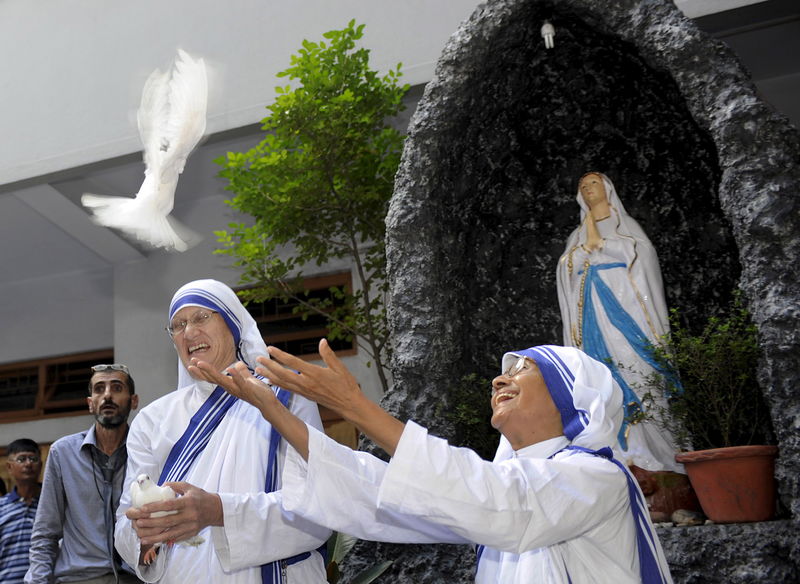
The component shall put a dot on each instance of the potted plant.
(717, 409)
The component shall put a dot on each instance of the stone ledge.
(736, 553)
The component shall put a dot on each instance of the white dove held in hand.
(144, 491)
(172, 120)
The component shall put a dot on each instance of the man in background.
(18, 509)
(83, 481)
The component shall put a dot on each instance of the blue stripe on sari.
(196, 436)
(560, 381)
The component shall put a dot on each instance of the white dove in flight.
(144, 491)
(171, 120)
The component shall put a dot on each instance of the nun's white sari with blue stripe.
(612, 307)
(202, 435)
(559, 511)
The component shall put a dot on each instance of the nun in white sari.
(612, 307)
(553, 507)
(213, 447)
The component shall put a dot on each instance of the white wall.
(72, 317)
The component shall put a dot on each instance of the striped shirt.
(16, 525)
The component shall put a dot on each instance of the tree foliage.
(318, 186)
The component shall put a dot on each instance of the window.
(47, 388)
(281, 327)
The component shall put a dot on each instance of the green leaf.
(318, 184)
(339, 544)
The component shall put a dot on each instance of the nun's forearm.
(290, 427)
(375, 422)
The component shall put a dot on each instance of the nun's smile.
(522, 408)
(202, 334)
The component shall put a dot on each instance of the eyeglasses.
(23, 459)
(198, 319)
(111, 367)
(516, 368)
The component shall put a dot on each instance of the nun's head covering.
(220, 298)
(582, 389)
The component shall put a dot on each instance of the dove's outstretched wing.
(171, 120)
(186, 122)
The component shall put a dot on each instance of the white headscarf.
(582, 389)
(220, 298)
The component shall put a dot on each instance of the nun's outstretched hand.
(332, 386)
(238, 381)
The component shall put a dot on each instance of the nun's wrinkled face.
(522, 409)
(592, 189)
(202, 333)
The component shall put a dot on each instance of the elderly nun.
(222, 457)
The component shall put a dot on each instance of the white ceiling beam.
(63, 213)
(698, 8)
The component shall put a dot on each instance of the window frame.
(46, 387)
(311, 283)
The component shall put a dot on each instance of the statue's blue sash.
(595, 346)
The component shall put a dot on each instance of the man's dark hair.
(131, 384)
(22, 445)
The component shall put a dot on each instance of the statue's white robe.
(628, 265)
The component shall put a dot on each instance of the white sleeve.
(515, 505)
(256, 530)
(140, 460)
(338, 488)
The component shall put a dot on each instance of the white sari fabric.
(233, 464)
(612, 307)
(558, 511)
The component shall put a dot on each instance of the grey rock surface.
(764, 552)
(485, 199)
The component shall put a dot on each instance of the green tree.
(318, 187)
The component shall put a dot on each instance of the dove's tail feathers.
(140, 221)
(107, 209)
(187, 235)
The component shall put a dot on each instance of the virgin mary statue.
(612, 306)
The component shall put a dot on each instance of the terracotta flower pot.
(734, 484)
